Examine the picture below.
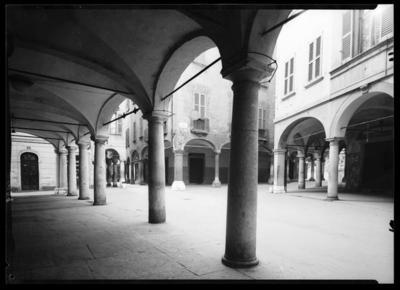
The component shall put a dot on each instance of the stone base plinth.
(178, 185)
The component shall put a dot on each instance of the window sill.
(288, 95)
(313, 82)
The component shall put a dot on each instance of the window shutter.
(346, 35)
(196, 102)
(386, 22)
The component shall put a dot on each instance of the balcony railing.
(200, 126)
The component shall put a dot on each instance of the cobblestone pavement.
(299, 236)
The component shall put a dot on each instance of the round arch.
(348, 109)
(181, 56)
(198, 142)
(300, 131)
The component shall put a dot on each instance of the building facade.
(334, 108)
(197, 131)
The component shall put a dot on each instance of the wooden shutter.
(346, 35)
(386, 22)
(291, 75)
(310, 61)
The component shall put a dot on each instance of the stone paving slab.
(299, 236)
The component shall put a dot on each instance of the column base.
(301, 186)
(239, 264)
(178, 185)
(216, 183)
(100, 203)
(115, 184)
(279, 189)
(61, 190)
(84, 198)
(311, 179)
(331, 198)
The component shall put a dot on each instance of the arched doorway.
(29, 171)
(113, 167)
(199, 155)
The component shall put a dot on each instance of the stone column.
(318, 169)
(99, 170)
(279, 171)
(156, 163)
(333, 168)
(139, 174)
(216, 182)
(287, 168)
(72, 189)
(312, 170)
(63, 171)
(178, 183)
(83, 170)
(58, 158)
(271, 171)
(301, 181)
(122, 172)
(241, 222)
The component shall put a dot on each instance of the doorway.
(29, 171)
(196, 168)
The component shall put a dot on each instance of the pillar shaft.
(83, 171)
(57, 171)
(72, 189)
(318, 169)
(301, 180)
(271, 172)
(122, 172)
(240, 246)
(156, 178)
(333, 169)
(287, 168)
(216, 182)
(279, 171)
(178, 183)
(63, 171)
(99, 171)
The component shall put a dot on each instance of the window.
(262, 115)
(289, 75)
(363, 29)
(116, 126)
(314, 59)
(200, 104)
(165, 127)
(347, 28)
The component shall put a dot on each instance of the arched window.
(29, 171)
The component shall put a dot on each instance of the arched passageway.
(370, 151)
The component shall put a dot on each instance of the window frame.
(198, 106)
(289, 74)
(313, 61)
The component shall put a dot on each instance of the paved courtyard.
(299, 236)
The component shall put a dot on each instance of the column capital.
(217, 152)
(246, 68)
(317, 155)
(71, 148)
(63, 151)
(99, 139)
(179, 151)
(156, 116)
(280, 151)
(83, 142)
(334, 139)
(300, 154)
